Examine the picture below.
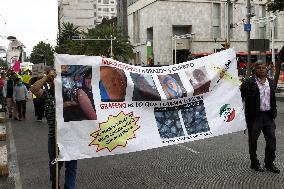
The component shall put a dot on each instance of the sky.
(30, 21)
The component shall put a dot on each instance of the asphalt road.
(219, 162)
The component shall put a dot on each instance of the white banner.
(105, 107)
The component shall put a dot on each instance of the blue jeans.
(70, 168)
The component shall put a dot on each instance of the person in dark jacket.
(260, 112)
(8, 95)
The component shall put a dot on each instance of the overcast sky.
(30, 21)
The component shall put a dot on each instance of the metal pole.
(228, 21)
(175, 50)
(272, 36)
(111, 55)
(172, 51)
(248, 40)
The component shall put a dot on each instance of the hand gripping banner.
(105, 107)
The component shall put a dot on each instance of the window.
(100, 17)
(136, 27)
(262, 26)
(95, 14)
(106, 1)
(99, 1)
(105, 9)
(112, 9)
(99, 9)
(216, 20)
(112, 2)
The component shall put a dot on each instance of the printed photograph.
(172, 86)
(113, 84)
(144, 88)
(199, 80)
(194, 117)
(168, 122)
(78, 102)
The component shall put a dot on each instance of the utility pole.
(78, 38)
(228, 21)
(248, 40)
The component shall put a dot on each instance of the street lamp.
(111, 39)
(176, 37)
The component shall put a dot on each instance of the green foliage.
(122, 49)
(42, 52)
(65, 43)
(275, 5)
(2, 63)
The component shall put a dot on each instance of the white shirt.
(264, 90)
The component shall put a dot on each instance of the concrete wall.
(162, 15)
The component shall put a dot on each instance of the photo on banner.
(194, 117)
(199, 80)
(172, 86)
(112, 84)
(78, 102)
(144, 88)
(168, 122)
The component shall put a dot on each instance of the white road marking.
(14, 160)
(189, 149)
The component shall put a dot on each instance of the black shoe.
(272, 168)
(10, 116)
(257, 168)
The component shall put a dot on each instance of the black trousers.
(39, 107)
(265, 124)
(21, 107)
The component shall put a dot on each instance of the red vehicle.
(242, 58)
(199, 55)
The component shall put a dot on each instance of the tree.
(122, 49)
(2, 63)
(42, 52)
(65, 43)
(275, 5)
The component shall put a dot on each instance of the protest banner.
(38, 69)
(105, 107)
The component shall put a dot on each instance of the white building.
(85, 13)
(14, 51)
(156, 22)
(105, 9)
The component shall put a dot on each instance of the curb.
(4, 171)
(3, 135)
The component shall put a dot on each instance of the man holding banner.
(49, 102)
(260, 111)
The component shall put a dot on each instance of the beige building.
(85, 13)
(202, 25)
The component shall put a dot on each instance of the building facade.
(78, 12)
(14, 51)
(86, 13)
(122, 16)
(158, 27)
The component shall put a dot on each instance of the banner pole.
(56, 157)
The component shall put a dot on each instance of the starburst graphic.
(116, 131)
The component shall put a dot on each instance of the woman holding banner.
(49, 99)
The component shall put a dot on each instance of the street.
(219, 162)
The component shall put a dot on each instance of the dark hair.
(17, 79)
(88, 72)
